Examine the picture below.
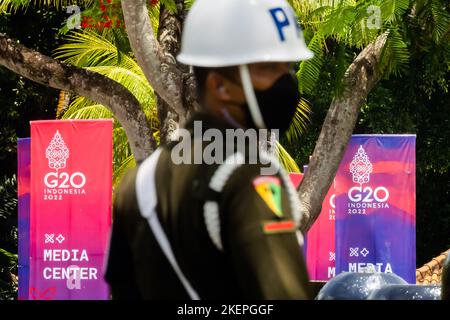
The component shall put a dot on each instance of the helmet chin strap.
(251, 97)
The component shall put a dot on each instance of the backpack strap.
(147, 201)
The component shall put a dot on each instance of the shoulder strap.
(147, 201)
(211, 207)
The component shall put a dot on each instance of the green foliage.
(286, 160)
(441, 22)
(8, 282)
(392, 10)
(300, 121)
(309, 71)
(16, 5)
(109, 54)
(8, 237)
(349, 25)
(395, 53)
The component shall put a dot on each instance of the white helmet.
(221, 33)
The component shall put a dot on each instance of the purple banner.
(23, 193)
(376, 206)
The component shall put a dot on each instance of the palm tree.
(347, 26)
(107, 53)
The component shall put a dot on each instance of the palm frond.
(395, 55)
(315, 18)
(136, 83)
(122, 149)
(392, 10)
(309, 70)
(285, 159)
(95, 111)
(342, 60)
(77, 103)
(364, 29)
(12, 5)
(300, 121)
(124, 166)
(441, 21)
(122, 154)
(339, 22)
(306, 7)
(88, 48)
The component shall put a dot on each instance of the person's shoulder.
(252, 168)
(246, 177)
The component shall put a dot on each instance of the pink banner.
(319, 244)
(70, 209)
(320, 252)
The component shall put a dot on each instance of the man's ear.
(218, 87)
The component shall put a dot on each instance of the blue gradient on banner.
(23, 166)
(381, 237)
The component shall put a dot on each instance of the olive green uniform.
(246, 260)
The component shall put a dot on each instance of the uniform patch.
(269, 189)
(284, 226)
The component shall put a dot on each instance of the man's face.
(263, 76)
(227, 91)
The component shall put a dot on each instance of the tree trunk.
(169, 38)
(52, 73)
(176, 86)
(360, 78)
(165, 78)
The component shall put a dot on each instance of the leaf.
(124, 166)
(285, 159)
(136, 83)
(88, 48)
(342, 62)
(309, 70)
(300, 121)
(395, 55)
(338, 22)
(392, 10)
(170, 5)
(8, 257)
(441, 20)
(95, 111)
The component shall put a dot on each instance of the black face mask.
(277, 104)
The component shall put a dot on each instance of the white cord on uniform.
(252, 102)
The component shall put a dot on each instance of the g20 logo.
(63, 180)
(367, 195)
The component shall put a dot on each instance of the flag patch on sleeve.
(283, 226)
(269, 189)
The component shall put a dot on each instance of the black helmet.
(356, 286)
(407, 292)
